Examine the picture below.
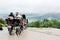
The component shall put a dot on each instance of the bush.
(45, 23)
(2, 22)
(34, 24)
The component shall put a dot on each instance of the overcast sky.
(30, 6)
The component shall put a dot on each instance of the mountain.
(32, 17)
(3, 15)
(48, 15)
(51, 15)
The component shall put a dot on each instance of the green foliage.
(2, 22)
(34, 24)
(45, 23)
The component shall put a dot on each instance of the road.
(33, 34)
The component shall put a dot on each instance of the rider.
(18, 21)
(11, 14)
(11, 17)
(18, 18)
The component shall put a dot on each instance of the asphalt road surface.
(32, 34)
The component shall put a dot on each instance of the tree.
(2, 22)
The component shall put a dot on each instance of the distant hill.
(51, 15)
(33, 17)
(3, 15)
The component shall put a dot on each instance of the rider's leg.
(21, 27)
(17, 31)
(10, 31)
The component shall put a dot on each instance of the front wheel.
(18, 31)
(10, 31)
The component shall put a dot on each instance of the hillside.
(32, 17)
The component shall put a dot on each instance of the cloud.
(30, 6)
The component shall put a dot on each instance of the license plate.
(16, 27)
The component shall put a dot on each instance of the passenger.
(24, 19)
(24, 16)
